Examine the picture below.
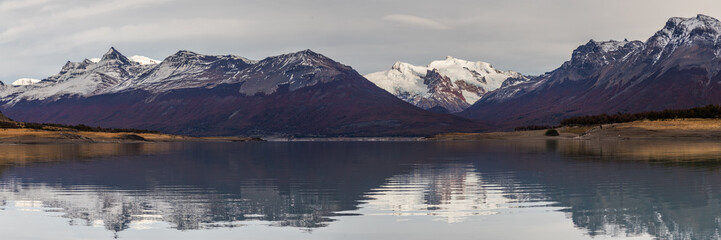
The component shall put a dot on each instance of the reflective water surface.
(362, 190)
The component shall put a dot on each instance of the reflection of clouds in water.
(450, 193)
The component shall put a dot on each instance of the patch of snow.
(25, 81)
(480, 74)
(610, 46)
(95, 60)
(143, 60)
(401, 78)
(470, 97)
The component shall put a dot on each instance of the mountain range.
(307, 94)
(678, 67)
(296, 94)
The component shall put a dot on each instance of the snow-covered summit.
(686, 28)
(296, 70)
(143, 60)
(701, 30)
(114, 54)
(471, 79)
(25, 81)
(186, 69)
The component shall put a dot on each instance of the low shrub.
(552, 132)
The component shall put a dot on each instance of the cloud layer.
(415, 21)
(38, 36)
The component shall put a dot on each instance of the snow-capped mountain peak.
(25, 81)
(303, 58)
(678, 67)
(701, 30)
(296, 70)
(472, 79)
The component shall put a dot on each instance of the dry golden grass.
(677, 124)
(685, 128)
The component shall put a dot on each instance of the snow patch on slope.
(25, 81)
(143, 60)
(401, 78)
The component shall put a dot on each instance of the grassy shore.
(638, 130)
(35, 136)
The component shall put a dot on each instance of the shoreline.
(34, 136)
(673, 129)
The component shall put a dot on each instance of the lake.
(362, 190)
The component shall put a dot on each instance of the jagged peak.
(699, 18)
(678, 27)
(607, 46)
(114, 54)
(68, 64)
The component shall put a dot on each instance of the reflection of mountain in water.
(197, 186)
(611, 189)
(447, 192)
(213, 185)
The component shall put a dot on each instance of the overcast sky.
(38, 36)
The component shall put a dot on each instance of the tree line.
(708, 111)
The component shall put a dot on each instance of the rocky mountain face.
(452, 84)
(678, 67)
(297, 94)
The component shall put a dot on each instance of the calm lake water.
(362, 190)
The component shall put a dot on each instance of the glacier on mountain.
(469, 81)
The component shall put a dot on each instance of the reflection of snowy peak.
(467, 82)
